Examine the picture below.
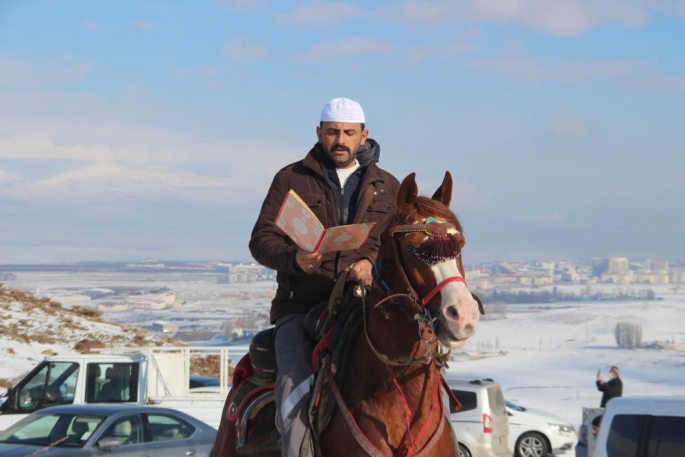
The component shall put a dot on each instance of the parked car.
(196, 380)
(642, 426)
(481, 423)
(534, 433)
(117, 430)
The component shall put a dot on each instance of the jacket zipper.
(340, 209)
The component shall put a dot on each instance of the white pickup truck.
(157, 376)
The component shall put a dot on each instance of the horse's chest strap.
(367, 445)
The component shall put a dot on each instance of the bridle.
(437, 232)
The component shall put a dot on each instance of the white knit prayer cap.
(343, 110)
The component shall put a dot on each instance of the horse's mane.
(428, 207)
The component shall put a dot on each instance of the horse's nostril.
(452, 312)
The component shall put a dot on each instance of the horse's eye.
(411, 249)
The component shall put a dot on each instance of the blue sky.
(135, 129)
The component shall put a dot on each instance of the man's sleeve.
(601, 386)
(268, 244)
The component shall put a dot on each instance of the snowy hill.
(32, 327)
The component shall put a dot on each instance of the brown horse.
(419, 308)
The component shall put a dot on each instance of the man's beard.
(339, 161)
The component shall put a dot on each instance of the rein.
(407, 450)
(419, 304)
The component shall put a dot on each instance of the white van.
(481, 424)
(156, 376)
(642, 427)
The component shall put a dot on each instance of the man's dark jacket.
(611, 389)
(315, 181)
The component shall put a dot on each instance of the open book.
(298, 221)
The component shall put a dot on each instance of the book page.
(299, 222)
(345, 237)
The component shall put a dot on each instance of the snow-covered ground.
(546, 357)
(552, 353)
(31, 328)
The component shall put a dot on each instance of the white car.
(481, 422)
(642, 426)
(535, 433)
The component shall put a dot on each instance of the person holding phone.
(610, 389)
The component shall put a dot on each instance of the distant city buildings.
(245, 273)
(606, 270)
(609, 270)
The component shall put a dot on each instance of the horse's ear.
(408, 192)
(444, 192)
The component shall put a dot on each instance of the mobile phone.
(598, 372)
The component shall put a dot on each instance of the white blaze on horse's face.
(459, 310)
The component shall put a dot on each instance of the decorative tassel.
(438, 248)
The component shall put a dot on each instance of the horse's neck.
(397, 337)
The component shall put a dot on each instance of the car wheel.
(463, 452)
(532, 444)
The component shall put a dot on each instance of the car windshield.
(52, 429)
(514, 406)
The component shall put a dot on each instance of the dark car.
(119, 430)
(197, 380)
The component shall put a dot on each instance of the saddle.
(252, 405)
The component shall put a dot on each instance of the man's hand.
(361, 272)
(308, 261)
(600, 378)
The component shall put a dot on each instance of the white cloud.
(532, 69)
(632, 74)
(116, 182)
(563, 126)
(91, 25)
(546, 218)
(7, 179)
(209, 76)
(72, 132)
(241, 50)
(143, 25)
(240, 4)
(17, 72)
(133, 146)
(567, 18)
(320, 13)
(331, 51)
(676, 7)
(206, 71)
(459, 42)
(657, 82)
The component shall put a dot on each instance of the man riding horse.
(340, 181)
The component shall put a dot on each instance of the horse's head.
(425, 244)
